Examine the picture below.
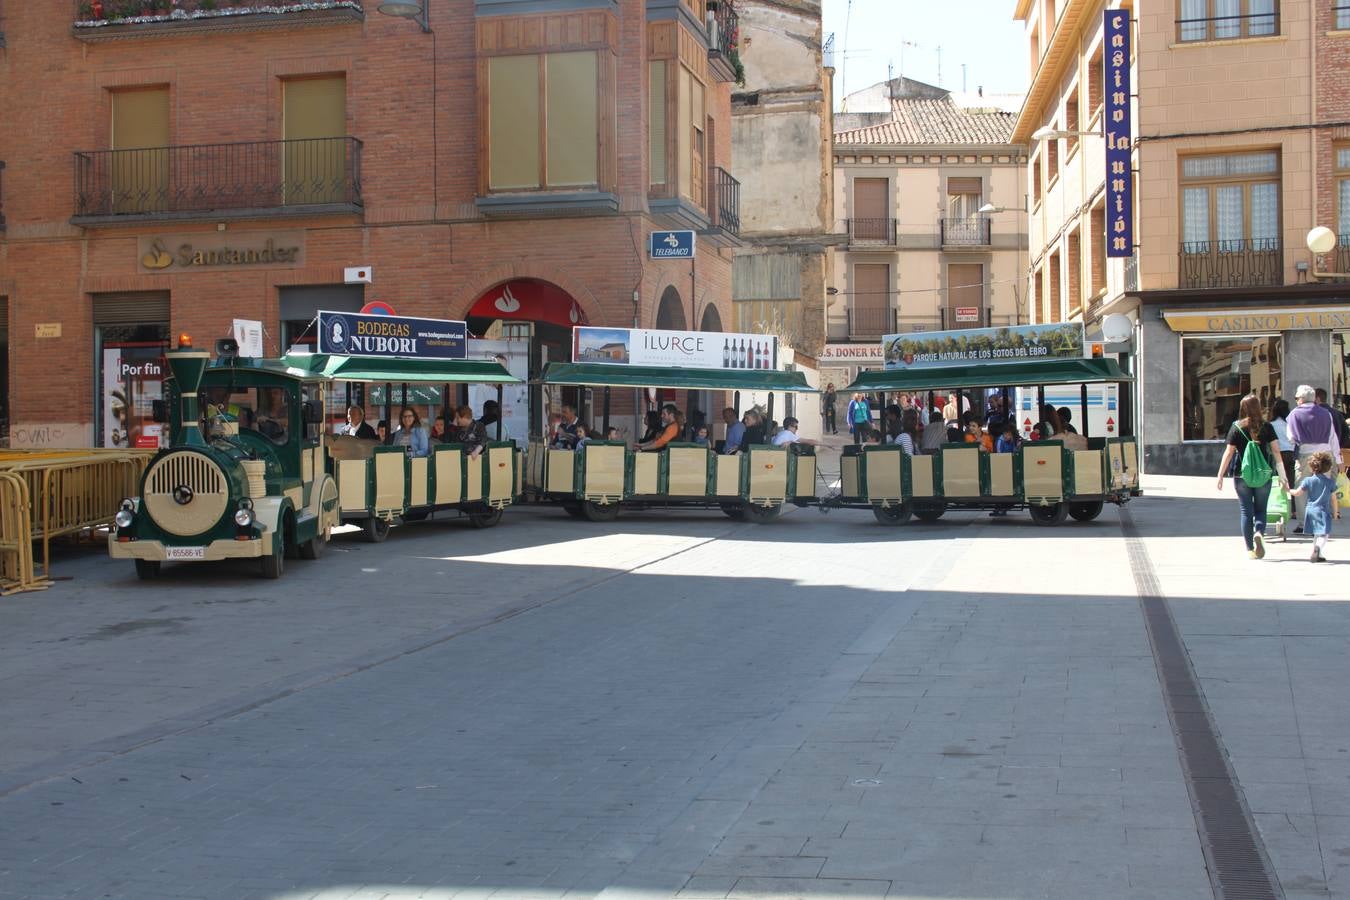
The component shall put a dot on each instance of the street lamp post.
(1321, 241)
(406, 9)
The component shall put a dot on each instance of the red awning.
(526, 299)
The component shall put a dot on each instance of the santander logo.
(507, 302)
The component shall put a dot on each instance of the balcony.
(1132, 273)
(724, 201)
(873, 233)
(108, 20)
(870, 322)
(968, 232)
(1230, 264)
(319, 176)
(1342, 244)
(724, 38)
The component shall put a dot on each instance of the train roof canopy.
(607, 375)
(399, 371)
(987, 375)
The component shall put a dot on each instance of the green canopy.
(398, 371)
(604, 375)
(987, 375)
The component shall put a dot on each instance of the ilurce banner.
(680, 349)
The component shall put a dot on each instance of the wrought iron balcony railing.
(967, 232)
(724, 202)
(1132, 273)
(312, 175)
(724, 36)
(870, 321)
(1224, 264)
(880, 232)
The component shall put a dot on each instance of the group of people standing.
(1299, 449)
(417, 438)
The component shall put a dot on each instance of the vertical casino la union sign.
(206, 252)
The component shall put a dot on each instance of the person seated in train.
(274, 416)
(1009, 440)
(492, 415)
(567, 428)
(670, 429)
(871, 435)
(1066, 419)
(934, 435)
(583, 435)
(996, 415)
(975, 434)
(890, 420)
(613, 434)
(410, 434)
(357, 426)
(1048, 426)
(735, 431)
(437, 434)
(789, 435)
(701, 436)
(908, 438)
(653, 426)
(1072, 439)
(554, 430)
(469, 433)
(755, 431)
(382, 432)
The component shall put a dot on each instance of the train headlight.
(123, 518)
(243, 517)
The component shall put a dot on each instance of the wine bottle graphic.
(726, 352)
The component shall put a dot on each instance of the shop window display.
(1217, 372)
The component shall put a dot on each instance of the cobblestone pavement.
(674, 705)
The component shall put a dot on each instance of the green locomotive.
(244, 475)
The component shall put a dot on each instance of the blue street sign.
(357, 334)
(1119, 177)
(671, 245)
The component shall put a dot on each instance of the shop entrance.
(131, 333)
(542, 314)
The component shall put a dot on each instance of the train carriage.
(604, 476)
(1047, 479)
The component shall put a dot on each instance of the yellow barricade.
(70, 491)
(16, 538)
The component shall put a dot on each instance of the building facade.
(504, 164)
(1240, 147)
(929, 193)
(781, 125)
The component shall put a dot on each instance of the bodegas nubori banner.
(1017, 343)
(678, 349)
(358, 334)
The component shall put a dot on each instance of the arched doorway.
(712, 319)
(670, 311)
(536, 317)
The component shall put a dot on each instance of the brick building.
(1240, 146)
(504, 163)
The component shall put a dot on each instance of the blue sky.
(981, 34)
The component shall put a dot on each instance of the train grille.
(186, 493)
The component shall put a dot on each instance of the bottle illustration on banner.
(750, 355)
(738, 351)
(726, 352)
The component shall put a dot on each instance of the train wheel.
(753, 512)
(376, 530)
(930, 512)
(895, 514)
(572, 509)
(599, 512)
(485, 519)
(733, 511)
(1051, 514)
(274, 563)
(315, 546)
(1085, 512)
(147, 569)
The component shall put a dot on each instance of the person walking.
(827, 408)
(859, 417)
(1252, 469)
(1319, 489)
(1279, 412)
(1311, 430)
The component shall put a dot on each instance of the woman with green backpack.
(1252, 460)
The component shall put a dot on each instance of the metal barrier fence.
(63, 492)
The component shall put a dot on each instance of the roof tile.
(935, 122)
